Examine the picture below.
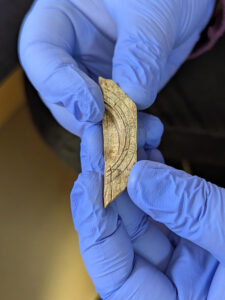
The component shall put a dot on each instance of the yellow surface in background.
(39, 253)
(12, 95)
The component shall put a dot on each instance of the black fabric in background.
(192, 109)
(12, 13)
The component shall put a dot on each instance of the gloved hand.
(192, 208)
(65, 45)
(126, 253)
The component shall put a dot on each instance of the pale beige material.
(120, 139)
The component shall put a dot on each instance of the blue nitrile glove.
(125, 252)
(192, 208)
(65, 45)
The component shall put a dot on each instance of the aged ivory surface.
(120, 139)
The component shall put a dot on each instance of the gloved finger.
(47, 50)
(145, 40)
(192, 270)
(150, 130)
(153, 240)
(106, 248)
(188, 205)
(155, 155)
(91, 150)
(153, 41)
(147, 239)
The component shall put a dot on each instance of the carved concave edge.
(120, 139)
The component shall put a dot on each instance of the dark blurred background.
(191, 106)
(11, 15)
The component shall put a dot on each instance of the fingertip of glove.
(155, 155)
(142, 179)
(155, 134)
(150, 131)
(90, 107)
(135, 176)
(92, 158)
(87, 184)
(142, 97)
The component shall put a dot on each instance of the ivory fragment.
(120, 139)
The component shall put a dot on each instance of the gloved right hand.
(65, 45)
(194, 209)
(127, 255)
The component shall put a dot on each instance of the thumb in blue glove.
(192, 208)
(154, 38)
(63, 54)
(188, 205)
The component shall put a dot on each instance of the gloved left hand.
(127, 255)
(65, 45)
